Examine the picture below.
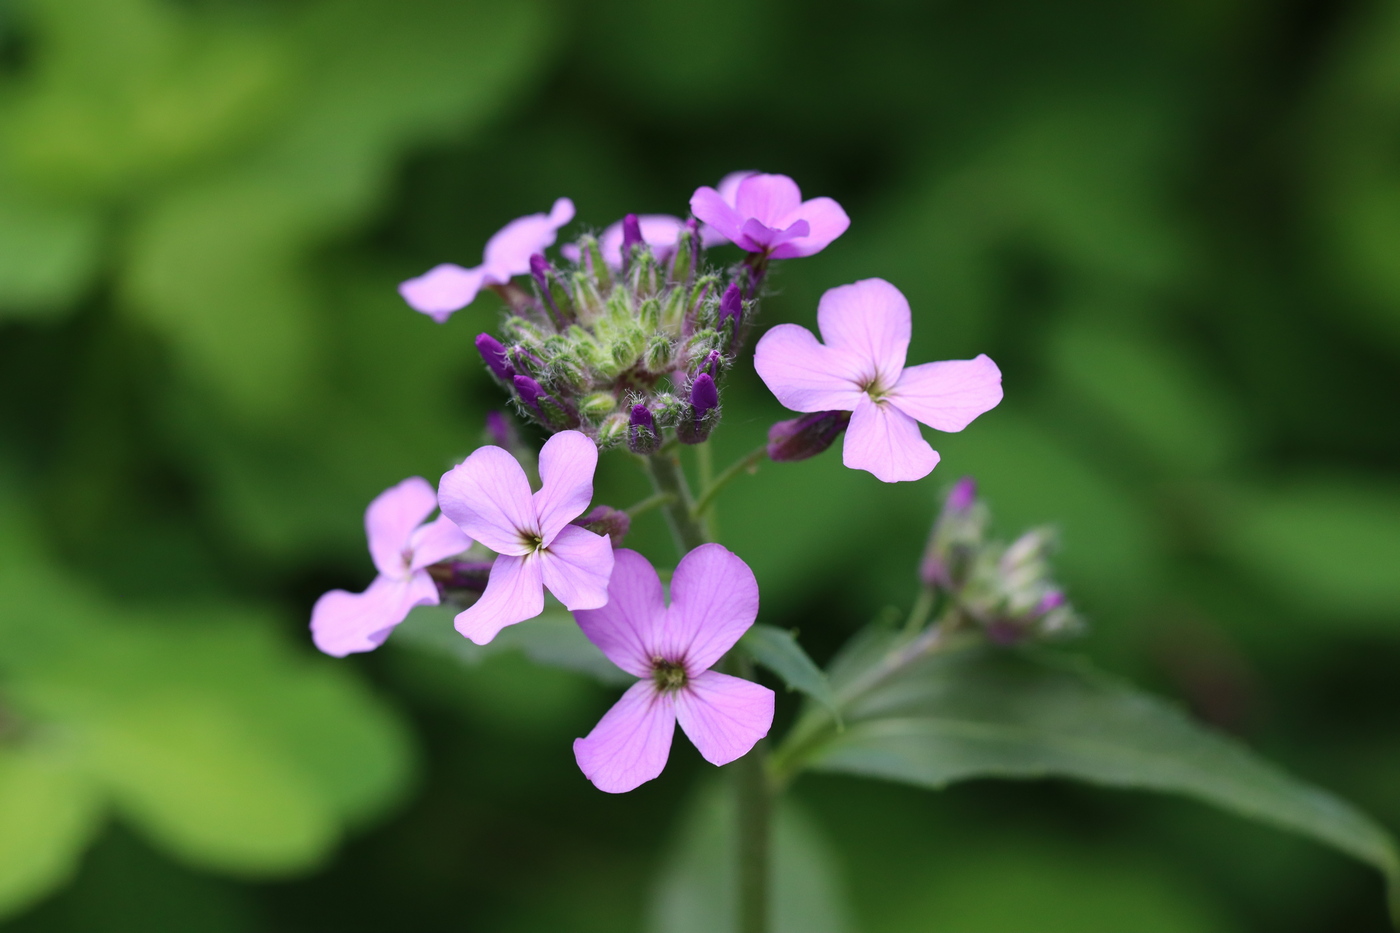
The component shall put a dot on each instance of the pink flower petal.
(344, 623)
(488, 496)
(632, 741)
(391, 519)
(827, 221)
(443, 289)
(724, 716)
(714, 600)
(627, 629)
(567, 462)
(887, 442)
(711, 208)
(508, 252)
(804, 374)
(868, 319)
(514, 593)
(767, 198)
(437, 540)
(660, 231)
(728, 188)
(576, 567)
(948, 395)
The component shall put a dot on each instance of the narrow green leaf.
(777, 650)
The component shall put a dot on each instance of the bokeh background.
(1174, 223)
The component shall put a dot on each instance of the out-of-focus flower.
(860, 368)
(446, 288)
(767, 215)
(488, 496)
(714, 600)
(659, 231)
(402, 545)
(956, 539)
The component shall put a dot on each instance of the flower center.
(668, 675)
(533, 541)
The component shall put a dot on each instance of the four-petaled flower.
(860, 369)
(446, 288)
(488, 496)
(714, 600)
(401, 546)
(766, 214)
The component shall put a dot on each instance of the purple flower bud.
(539, 270)
(731, 307)
(703, 395)
(551, 412)
(642, 436)
(1049, 602)
(807, 436)
(704, 411)
(500, 430)
(605, 520)
(460, 575)
(631, 234)
(711, 364)
(962, 495)
(494, 353)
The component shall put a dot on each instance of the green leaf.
(48, 254)
(49, 812)
(777, 649)
(696, 891)
(984, 712)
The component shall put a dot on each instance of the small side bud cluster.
(1007, 590)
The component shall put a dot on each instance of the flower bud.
(605, 520)
(596, 405)
(539, 271)
(807, 436)
(659, 353)
(642, 436)
(956, 539)
(459, 575)
(731, 315)
(631, 236)
(704, 411)
(710, 365)
(500, 430)
(550, 411)
(687, 258)
(494, 353)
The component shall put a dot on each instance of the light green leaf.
(47, 254)
(777, 650)
(983, 712)
(48, 813)
(696, 891)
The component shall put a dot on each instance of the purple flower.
(448, 287)
(402, 545)
(488, 496)
(767, 215)
(728, 187)
(659, 231)
(861, 369)
(714, 600)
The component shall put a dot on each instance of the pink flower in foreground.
(401, 546)
(489, 497)
(448, 287)
(861, 369)
(766, 214)
(714, 600)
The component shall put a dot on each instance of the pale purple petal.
(660, 231)
(508, 252)
(766, 198)
(514, 593)
(714, 600)
(567, 462)
(627, 628)
(444, 289)
(391, 519)
(887, 442)
(870, 320)
(343, 623)
(437, 540)
(724, 716)
(576, 567)
(632, 741)
(755, 237)
(729, 185)
(488, 496)
(827, 221)
(711, 208)
(948, 395)
(804, 374)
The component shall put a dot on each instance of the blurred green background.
(1175, 225)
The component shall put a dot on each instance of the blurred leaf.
(1333, 546)
(48, 815)
(985, 712)
(777, 649)
(47, 254)
(696, 891)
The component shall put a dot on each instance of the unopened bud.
(710, 365)
(597, 405)
(631, 236)
(500, 430)
(658, 353)
(551, 412)
(605, 520)
(962, 495)
(704, 411)
(494, 353)
(956, 539)
(731, 314)
(539, 271)
(642, 436)
(807, 436)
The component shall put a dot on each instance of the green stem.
(668, 479)
(922, 607)
(747, 462)
(754, 796)
(649, 503)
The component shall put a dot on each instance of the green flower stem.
(745, 464)
(923, 605)
(668, 479)
(649, 503)
(755, 795)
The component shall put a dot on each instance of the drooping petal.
(632, 741)
(660, 231)
(714, 600)
(868, 319)
(488, 496)
(443, 289)
(767, 198)
(344, 623)
(437, 540)
(885, 441)
(576, 567)
(712, 209)
(949, 394)
(514, 593)
(724, 716)
(508, 252)
(804, 374)
(728, 188)
(826, 221)
(567, 463)
(627, 629)
(391, 519)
